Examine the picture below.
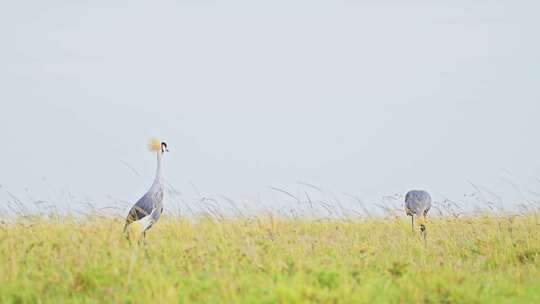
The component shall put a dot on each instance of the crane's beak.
(424, 234)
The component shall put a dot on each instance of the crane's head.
(156, 145)
(422, 223)
(422, 220)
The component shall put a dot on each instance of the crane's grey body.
(417, 202)
(150, 205)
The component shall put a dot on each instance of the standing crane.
(148, 208)
(418, 203)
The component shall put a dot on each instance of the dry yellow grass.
(270, 260)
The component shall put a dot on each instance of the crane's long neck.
(158, 169)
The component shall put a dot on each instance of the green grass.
(269, 260)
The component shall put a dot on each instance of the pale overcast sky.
(371, 98)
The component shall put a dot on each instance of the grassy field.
(269, 260)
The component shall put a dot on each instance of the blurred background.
(364, 99)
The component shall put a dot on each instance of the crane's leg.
(144, 244)
(142, 239)
(412, 223)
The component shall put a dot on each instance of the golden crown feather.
(154, 145)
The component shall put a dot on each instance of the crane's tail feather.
(135, 230)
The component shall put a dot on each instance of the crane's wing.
(149, 207)
(147, 221)
(142, 208)
(135, 230)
